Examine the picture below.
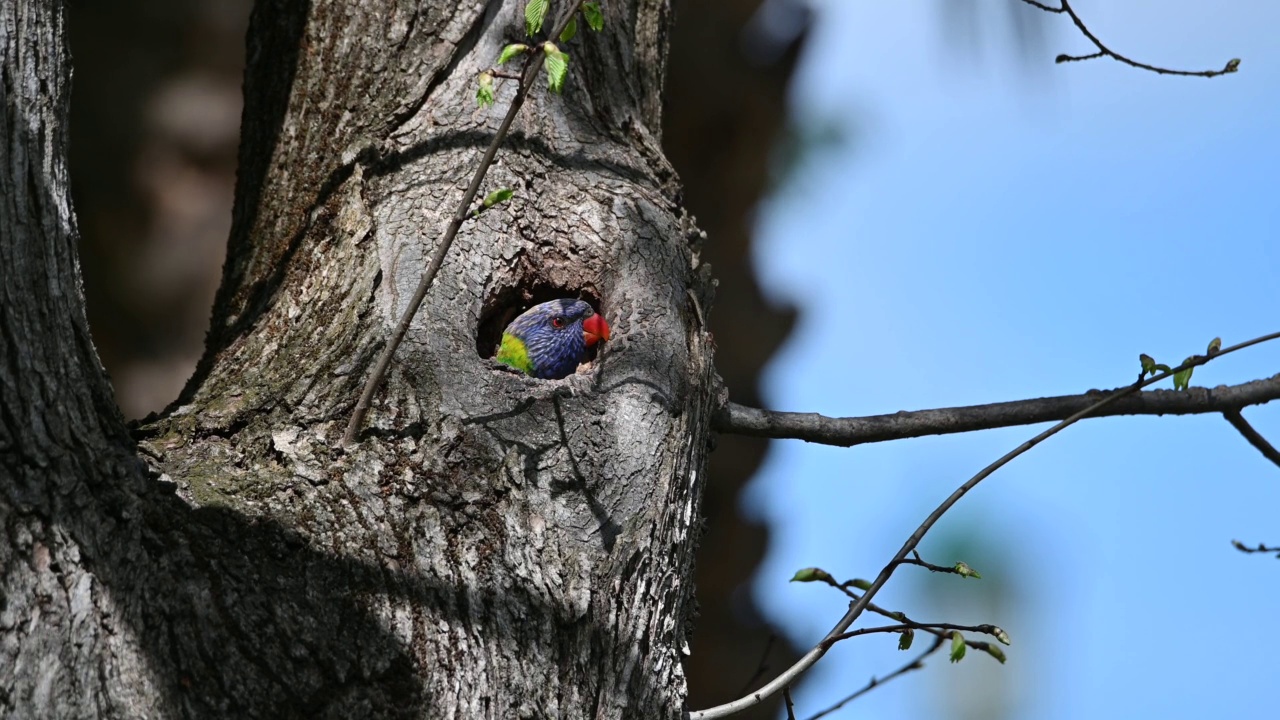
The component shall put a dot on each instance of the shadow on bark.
(242, 618)
(718, 141)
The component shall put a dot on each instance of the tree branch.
(960, 568)
(1253, 436)
(932, 629)
(856, 608)
(846, 432)
(1104, 51)
(937, 629)
(915, 664)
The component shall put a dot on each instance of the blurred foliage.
(971, 27)
(979, 688)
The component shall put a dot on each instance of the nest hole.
(506, 305)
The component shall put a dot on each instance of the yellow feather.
(514, 353)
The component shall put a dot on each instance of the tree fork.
(495, 546)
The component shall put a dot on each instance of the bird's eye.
(557, 322)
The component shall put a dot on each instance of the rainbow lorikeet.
(549, 340)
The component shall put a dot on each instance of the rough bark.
(496, 546)
(71, 491)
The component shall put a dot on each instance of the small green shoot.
(534, 14)
(812, 574)
(511, 51)
(484, 93)
(1182, 378)
(957, 646)
(569, 30)
(557, 67)
(592, 14)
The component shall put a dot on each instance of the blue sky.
(992, 229)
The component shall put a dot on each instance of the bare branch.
(1253, 436)
(856, 608)
(915, 664)
(960, 568)
(791, 707)
(1260, 549)
(846, 432)
(1104, 51)
(938, 629)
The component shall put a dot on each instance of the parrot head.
(549, 340)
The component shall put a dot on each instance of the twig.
(1104, 51)
(915, 664)
(857, 607)
(791, 707)
(960, 568)
(1253, 436)
(938, 629)
(923, 627)
(1260, 549)
(460, 214)
(849, 431)
(1064, 58)
(902, 618)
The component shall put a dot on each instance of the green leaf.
(511, 51)
(966, 571)
(995, 652)
(1215, 346)
(484, 94)
(595, 18)
(500, 195)
(557, 67)
(904, 639)
(863, 585)
(1182, 379)
(1232, 65)
(957, 646)
(1001, 635)
(812, 574)
(1148, 364)
(1161, 367)
(569, 30)
(534, 13)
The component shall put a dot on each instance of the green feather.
(514, 353)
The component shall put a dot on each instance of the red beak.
(595, 329)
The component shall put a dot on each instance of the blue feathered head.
(549, 340)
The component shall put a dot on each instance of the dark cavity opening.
(507, 303)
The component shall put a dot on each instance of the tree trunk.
(495, 546)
